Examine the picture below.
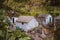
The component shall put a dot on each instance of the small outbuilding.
(26, 23)
(44, 18)
(57, 28)
(57, 21)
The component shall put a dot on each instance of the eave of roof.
(58, 17)
(43, 15)
(25, 18)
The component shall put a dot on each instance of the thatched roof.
(25, 18)
(43, 15)
(58, 17)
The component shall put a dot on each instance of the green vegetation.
(22, 7)
(30, 7)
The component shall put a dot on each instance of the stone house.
(44, 19)
(57, 28)
(57, 22)
(26, 22)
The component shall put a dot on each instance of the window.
(50, 19)
(22, 23)
(13, 20)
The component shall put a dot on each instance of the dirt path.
(37, 34)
